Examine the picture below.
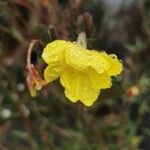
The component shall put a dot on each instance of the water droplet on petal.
(120, 60)
(113, 56)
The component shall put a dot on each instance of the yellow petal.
(116, 66)
(99, 61)
(104, 62)
(54, 51)
(80, 59)
(78, 87)
(77, 57)
(99, 80)
(53, 71)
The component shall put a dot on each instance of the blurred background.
(119, 119)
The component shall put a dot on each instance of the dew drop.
(120, 60)
(113, 56)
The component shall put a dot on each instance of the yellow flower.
(83, 73)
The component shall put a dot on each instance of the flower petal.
(78, 87)
(80, 59)
(99, 80)
(53, 71)
(116, 66)
(104, 62)
(77, 57)
(99, 61)
(54, 51)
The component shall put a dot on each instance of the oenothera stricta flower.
(83, 73)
